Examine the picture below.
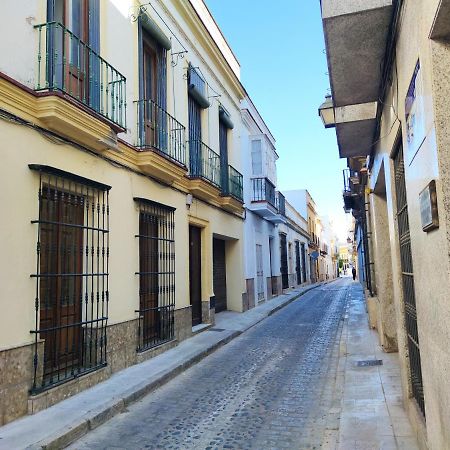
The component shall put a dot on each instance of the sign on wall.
(428, 207)
(415, 114)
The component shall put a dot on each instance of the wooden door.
(148, 280)
(77, 53)
(195, 276)
(150, 86)
(219, 275)
(61, 266)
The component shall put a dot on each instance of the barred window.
(156, 274)
(71, 304)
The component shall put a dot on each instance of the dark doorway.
(297, 263)
(284, 262)
(219, 275)
(303, 262)
(195, 274)
(409, 296)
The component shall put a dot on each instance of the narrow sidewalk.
(70, 419)
(372, 416)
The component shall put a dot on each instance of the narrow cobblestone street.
(270, 388)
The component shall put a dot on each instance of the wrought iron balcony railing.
(204, 162)
(66, 64)
(281, 204)
(263, 191)
(158, 130)
(235, 186)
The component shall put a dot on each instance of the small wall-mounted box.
(429, 208)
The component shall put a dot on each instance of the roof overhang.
(440, 29)
(356, 34)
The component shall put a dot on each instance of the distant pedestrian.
(354, 273)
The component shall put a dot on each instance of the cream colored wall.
(430, 250)
(20, 206)
(215, 223)
(119, 47)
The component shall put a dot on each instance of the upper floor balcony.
(159, 131)
(68, 66)
(234, 185)
(352, 189)
(265, 201)
(204, 163)
(281, 204)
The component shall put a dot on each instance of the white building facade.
(261, 241)
(296, 235)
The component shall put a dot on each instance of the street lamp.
(326, 112)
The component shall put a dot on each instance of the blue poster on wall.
(415, 117)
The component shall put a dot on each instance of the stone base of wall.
(16, 378)
(122, 343)
(250, 288)
(372, 311)
(183, 323)
(292, 280)
(56, 394)
(16, 366)
(279, 285)
(207, 317)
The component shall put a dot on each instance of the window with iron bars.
(72, 272)
(156, 274)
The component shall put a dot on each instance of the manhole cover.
(369, 363)
(217, 329)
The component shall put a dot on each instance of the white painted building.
(297, 239)
(261, 242)
(275, 234)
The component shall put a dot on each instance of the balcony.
(352, 190)
(68, 66)
(161, 142)
(232, 195)
(235, 184)
(281, 204)
(264, 200)
(204, 165)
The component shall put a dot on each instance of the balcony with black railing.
(234, 185)
(263, 191)
(352, 189)
(68, 65)
(204, 163)
(264, 200)
(159, 131)
(281, 204)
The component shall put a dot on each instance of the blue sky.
(280, 47)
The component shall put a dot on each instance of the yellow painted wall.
(19, 199)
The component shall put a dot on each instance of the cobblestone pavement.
(270, 388)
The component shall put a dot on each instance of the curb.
(106, 412)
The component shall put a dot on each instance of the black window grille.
(409, 295)
(156, 274)
(72, 293)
